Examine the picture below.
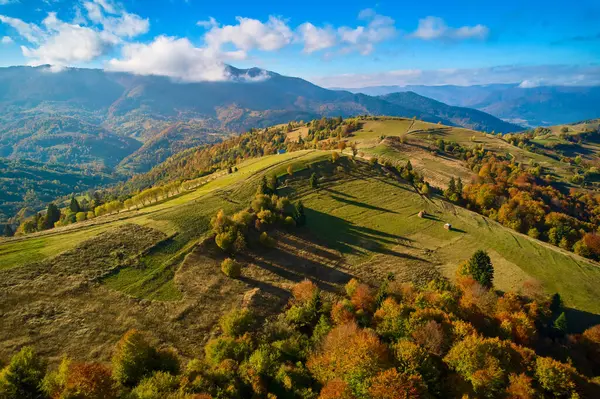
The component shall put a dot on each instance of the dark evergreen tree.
(409, 165)
(313, 181)
(459, 187)
(52, 216)
(298, 214)
(263, 187)
(560, 325)
(272, 184)
(481, 269)
(451, 186)
(8, 231)
(74, 205)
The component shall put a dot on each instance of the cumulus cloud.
(172, 57)
(5, 2)
(6, 40)
(31, 32)
(118, 21)
(61, 43)
(67, 43)
(363, 38)
(431, 28)
(314, 38)
(525, 76)
(250, 34)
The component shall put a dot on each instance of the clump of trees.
(397, 340)
(267, 212)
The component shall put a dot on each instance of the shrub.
(351, 286)
(158, 386)
(236, 322)
(289, 221)
(231, 268)
(22, 378)
(133, 359)
(222, 348)
(244, 218)
(267, 241)
(81, 216)
(266, 217)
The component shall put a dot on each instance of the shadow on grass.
(360, 204)
(266, 287)
(349, 238)
(579, 320)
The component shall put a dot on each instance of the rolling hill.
(532, 106)
(361, 222)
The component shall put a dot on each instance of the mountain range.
(120, 121)
(531, 106)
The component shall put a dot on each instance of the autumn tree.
(22, 377)
(356, 367)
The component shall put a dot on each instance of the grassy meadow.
(361, 222)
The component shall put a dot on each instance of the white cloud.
(316, 39)
(31, 32)
(526, 76)
(119, 22)
(60, 43)
(363, 38)
(250, 34)
(210, 23)
(67, 43)
(172, 57)
(431, 28)
(5, 2)
(6, 40)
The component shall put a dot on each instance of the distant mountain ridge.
(123, 106)
(533, 106)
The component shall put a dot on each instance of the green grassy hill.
(76, 289)
(402, 139)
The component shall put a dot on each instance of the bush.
(158, 386)
(133, 359)
(236, 322)
(222, 348)
(22, 378)
(289, 221)
(231, 268)
(267, 241)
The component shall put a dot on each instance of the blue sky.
(340, 44)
